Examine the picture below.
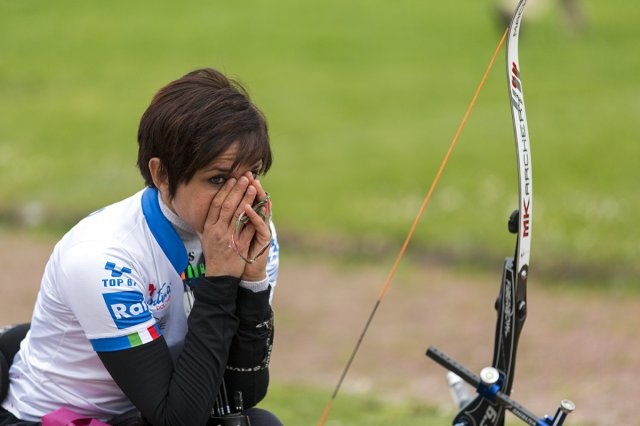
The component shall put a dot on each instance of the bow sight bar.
(488, 387)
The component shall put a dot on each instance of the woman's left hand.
(255, 236)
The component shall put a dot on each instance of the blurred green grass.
(363, 99)
(353, 409)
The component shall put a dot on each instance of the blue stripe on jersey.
(137, 338)
(163, 231)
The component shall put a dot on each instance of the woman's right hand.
(225, 209)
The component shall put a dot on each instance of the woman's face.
(192, 200)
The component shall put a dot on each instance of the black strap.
(10, 339)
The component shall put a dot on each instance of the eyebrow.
(223, 169)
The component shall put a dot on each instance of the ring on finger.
(243, 218)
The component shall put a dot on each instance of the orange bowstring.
(445, 160)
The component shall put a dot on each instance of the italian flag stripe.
(141, 337)
(154, 332)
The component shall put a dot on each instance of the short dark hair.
(194, 119)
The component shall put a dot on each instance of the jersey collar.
(163, 231)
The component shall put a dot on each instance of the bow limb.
(523, 150)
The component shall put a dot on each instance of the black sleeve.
(247, 369)
(182, 394)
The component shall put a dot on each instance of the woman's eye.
(218, 180)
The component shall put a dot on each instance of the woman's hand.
(225, 209)
(230, 244)
(258, 225)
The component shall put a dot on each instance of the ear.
(159, 176)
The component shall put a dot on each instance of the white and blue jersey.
(113, 282)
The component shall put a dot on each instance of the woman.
(160, 303)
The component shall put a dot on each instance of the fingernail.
(243, 180)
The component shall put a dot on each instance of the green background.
(363, 98)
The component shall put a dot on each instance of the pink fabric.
(65, 417)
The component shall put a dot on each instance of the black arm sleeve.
(247, 369)
(182, 394)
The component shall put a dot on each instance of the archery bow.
(494, 386)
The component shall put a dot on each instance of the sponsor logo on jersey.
(115, 272)
(127, 308)
(191, 274)
(159, 296)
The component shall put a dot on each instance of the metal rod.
(452, 365)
